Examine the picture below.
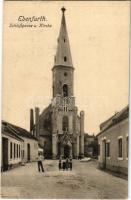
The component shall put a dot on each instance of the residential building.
(18, 145)
(113, 142)
(11, 147)
(90, 145)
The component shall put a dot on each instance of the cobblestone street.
(84, 181)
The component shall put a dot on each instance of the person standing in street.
(70, 164)
(67, 164)
(40, 164)
(64, 165)
(60, 164)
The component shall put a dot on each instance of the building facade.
(29, 150)
(113, 142)
(59, 128)
(11, 146)
(18, 146)
(90, 146)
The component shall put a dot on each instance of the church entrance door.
(66, 151)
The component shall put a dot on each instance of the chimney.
(37, 120)
(31, 121)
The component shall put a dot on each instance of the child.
(70, 164)
(64, 165)
(60, 165)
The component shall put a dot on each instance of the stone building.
(113, 142)
(59, 128)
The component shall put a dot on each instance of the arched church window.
(65, 123)
(65, 90)
(65, 58)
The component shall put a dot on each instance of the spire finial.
(63, 9)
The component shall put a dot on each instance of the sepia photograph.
(65, 100)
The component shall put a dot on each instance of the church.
(60, 128)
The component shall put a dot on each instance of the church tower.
(67, 126)
(63, 67)
(59, 128)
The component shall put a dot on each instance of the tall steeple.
(63, 54)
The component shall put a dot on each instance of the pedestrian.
(70, 164)
(67, 164)
(64, 165)
(60, 164)
(40, 164)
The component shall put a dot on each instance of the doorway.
(4, 154)
(28, 152)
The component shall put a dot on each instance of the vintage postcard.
(65, 92)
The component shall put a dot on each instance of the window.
(11, 150)
(108, 149)
(65, 90)
(65, 123)
(127, 146)
(17, 150)
(64, 40)
(65, 109)
(14, 150)
(65, 58)
(120, 148)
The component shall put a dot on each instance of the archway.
(28, 152)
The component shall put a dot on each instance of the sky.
(99, 39)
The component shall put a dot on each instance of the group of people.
(65, 164)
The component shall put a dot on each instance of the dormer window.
(65, 59)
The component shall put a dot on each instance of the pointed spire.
(63, 54)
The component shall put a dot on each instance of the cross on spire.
(63, 9)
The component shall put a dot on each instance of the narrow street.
(84, 181)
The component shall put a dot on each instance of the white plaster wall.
(33, 149)
(12, 160)
(112, 134)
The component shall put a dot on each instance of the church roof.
(63, 54)
(45, 121)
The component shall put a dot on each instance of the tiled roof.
(115, 119)
(6, 130)
(18, 130)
